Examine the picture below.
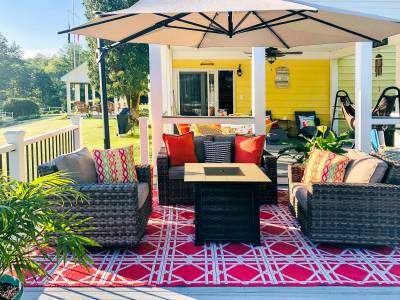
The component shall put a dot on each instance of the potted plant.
(33, 216)
(325, 139)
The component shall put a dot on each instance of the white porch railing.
(21, 156)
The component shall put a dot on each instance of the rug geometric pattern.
(167, 257)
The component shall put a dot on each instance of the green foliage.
(326, 139)
(127, 65)
(21, 107)
(30, 219)
(38, 78)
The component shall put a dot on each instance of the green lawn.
(92, 132)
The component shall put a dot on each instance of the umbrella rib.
(212, 21)
(241, 21)
(152, 28)
(262, 25)
(204, 35)
(95, 24)
(194, 29)
(339, 27)
(272, 31)
(179, 19)
(287, 22)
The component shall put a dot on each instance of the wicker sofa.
(361, 214)
(173, 190)
(119, 212)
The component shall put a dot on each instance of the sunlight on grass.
(92, 132)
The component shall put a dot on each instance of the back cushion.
(324, 166)
(180, 149)
(218, 152)
(227, 138)
(364, 168)
(79, 164)
(199, 146)
(249, 149)
(115, 165)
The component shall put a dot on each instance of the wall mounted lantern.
(239, 71)
(378, 65)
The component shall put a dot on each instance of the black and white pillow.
(217, 152)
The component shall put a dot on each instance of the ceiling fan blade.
(293, 53)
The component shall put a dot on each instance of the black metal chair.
(308, 131)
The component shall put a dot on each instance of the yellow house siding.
(309, 89)
(309, 85)
(388, 78)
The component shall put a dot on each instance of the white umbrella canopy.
(235, 23)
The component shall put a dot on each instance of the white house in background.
(74, 80)
(252, 95)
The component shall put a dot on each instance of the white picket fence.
(20, 156)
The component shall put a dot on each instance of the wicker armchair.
(362, 214)
(176, 191)
(115, 209)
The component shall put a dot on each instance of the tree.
(10, 60)
(127, 65)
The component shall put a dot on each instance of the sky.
(33, 24)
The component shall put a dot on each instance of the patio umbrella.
(228, 23)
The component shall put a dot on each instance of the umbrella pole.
(101, 53)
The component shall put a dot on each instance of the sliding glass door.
(193, 93)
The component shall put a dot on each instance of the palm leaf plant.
(35, 215)
(325, 139)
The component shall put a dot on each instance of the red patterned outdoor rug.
(167, 257)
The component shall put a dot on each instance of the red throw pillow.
(248, 149)
(180, 148)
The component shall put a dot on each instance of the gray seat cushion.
(364, 168)
(199, 147)
(143, 192)
(177, 172)
(80, 164)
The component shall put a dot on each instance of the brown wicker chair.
(117, 216)
(362, 214)
(176, 191)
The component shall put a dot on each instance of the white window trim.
(176, 91)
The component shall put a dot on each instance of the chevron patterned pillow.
(217, 152)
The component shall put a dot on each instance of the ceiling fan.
(272, 53)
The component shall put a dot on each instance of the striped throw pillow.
(324, 166)
(217, 152)
(115, 165)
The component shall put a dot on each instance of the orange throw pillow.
(183, 128)
(324, 166)
(249, 149)
(180, 148)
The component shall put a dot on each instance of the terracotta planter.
(15, 282)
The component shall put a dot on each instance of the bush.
(21, 107)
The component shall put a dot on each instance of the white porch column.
(68, 98)
(93, 93)
(363, 92)
(258, 91)
(77, 121)
(158, 65)
(397, 112)
(77, 92)
(144, 140)
(334, 88)
(86, 93)
(17, 157)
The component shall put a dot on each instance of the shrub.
(21, 107)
